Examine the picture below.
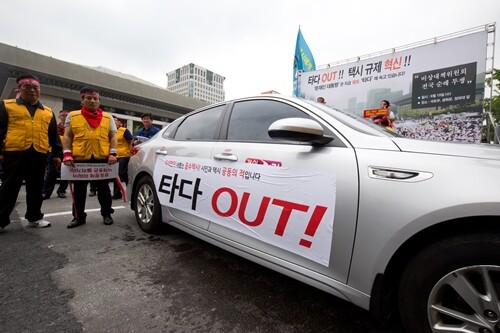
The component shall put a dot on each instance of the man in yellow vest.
(90, 137)
(124, 143)
(28, 129)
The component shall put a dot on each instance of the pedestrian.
(53, 173)
(124, 144)
(321, 100)
(385, 104)
(90, 137)
(148, 131)
(383, 121)
(28, 130)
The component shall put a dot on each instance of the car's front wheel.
(147, 206)
(453, 286)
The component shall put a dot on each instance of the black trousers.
(27, 165)
(80, 195)
(51, 178)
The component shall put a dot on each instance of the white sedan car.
(391, 224)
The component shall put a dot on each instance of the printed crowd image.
(452, 128)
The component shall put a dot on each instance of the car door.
(290, 203)
(186, 145)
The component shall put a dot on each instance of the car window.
(202, 125)
(250, 120)
(356, 122)
(171, 128)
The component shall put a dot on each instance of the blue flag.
(303, 61)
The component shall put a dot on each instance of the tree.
(494, 102)
(494, 81)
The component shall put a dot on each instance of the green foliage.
(137, 128)
(494, 101)
(494, 81)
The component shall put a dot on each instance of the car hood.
(485, 151)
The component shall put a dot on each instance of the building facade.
(124, 96)
(197, 82)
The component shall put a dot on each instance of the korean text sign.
(360, 85)
(290, 209)
(435, 89)
(89, 171)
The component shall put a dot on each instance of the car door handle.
(161, 151)
(226, 157)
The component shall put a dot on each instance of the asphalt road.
(98, 278)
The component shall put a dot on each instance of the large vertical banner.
(436, 90)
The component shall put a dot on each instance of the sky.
(250, 43)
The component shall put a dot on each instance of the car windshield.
(355, 122)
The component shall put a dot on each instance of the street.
(98, 278)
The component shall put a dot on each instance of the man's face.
(147, 122)
(30, 93)
(91, 102)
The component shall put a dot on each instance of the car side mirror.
(299, 130)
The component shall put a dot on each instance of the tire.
(147, 206)
(461, 274)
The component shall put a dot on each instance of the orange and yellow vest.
(23, 131)
(90, 142)
(122, 147)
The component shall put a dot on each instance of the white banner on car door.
(288, 208)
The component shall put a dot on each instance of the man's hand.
(57, 163)
(112, 159)
(68, 158)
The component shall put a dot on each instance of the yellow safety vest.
(23, 131)
(90, 142)
(122, 147)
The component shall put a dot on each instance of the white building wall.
(55, 103)
(193, 81)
